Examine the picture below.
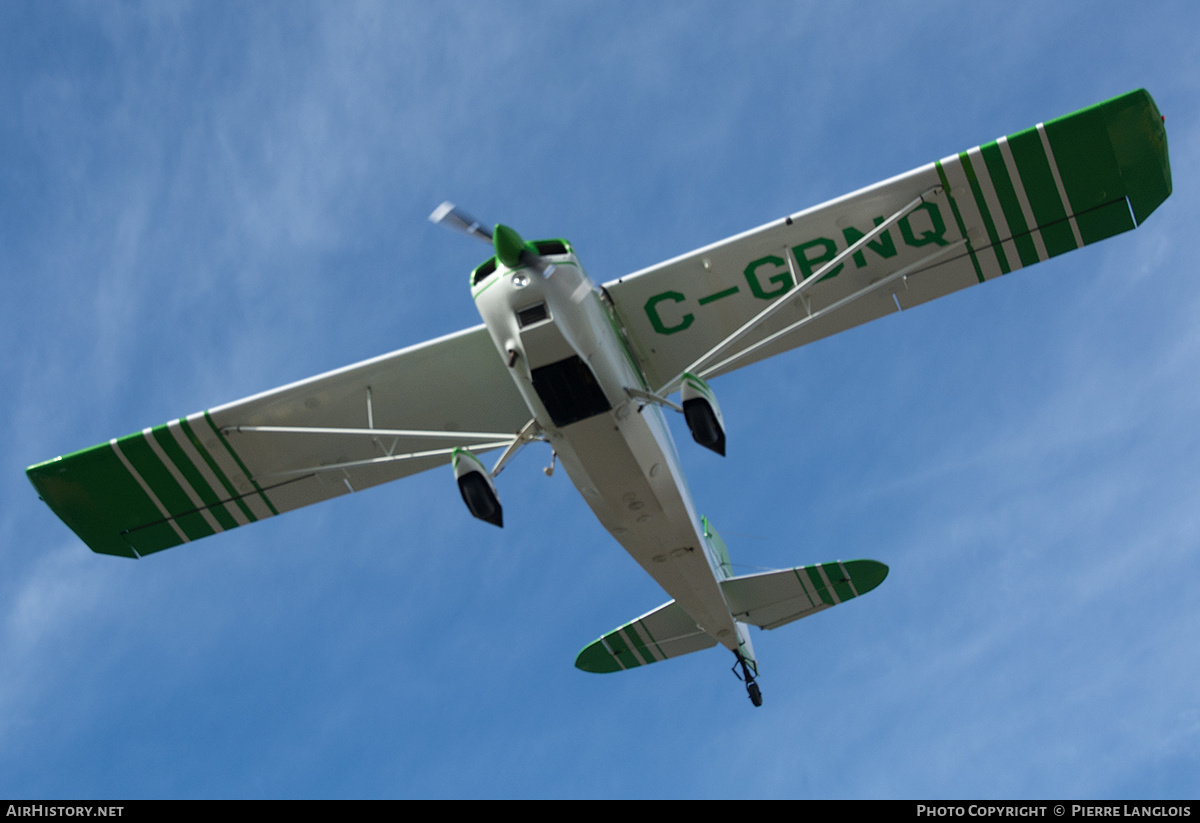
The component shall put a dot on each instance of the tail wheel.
(747, 677)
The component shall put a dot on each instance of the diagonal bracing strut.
(702, 365)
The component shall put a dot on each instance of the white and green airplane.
(591, 370)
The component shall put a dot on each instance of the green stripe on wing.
(141, 493)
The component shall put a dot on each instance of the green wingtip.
(1115, 149)
(595, 658)
(1139, 137)
(866, 574)
(94, 495)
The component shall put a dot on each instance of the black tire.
(755, 694)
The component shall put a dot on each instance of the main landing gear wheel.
(748, 678)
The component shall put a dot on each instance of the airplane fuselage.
(568, 359)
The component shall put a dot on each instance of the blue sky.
(202, 201)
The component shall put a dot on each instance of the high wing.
(965, 219)
(962, 220)
(343, 431)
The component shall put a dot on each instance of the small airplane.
(591, 370)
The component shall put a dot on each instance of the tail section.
(722, 566)
(767, 600)
(717, 553)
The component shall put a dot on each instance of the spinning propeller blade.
(511, 248)
(456, 218)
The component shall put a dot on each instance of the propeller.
(511, 248)
(456, 218)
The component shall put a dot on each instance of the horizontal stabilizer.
(667, 631)
(771, 599)
(766, 600)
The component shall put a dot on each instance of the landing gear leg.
(747, 677)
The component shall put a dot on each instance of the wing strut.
(501, 437)
(648, 397)
(529, 432)
(702, 367)
(376, 461)
(491, 440)
(878, 284)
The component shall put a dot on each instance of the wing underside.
(340, 432)
(985, 212)
(979, 214)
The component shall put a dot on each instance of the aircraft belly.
(570, 366)
(619, 465)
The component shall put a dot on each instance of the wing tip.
(595, 658)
